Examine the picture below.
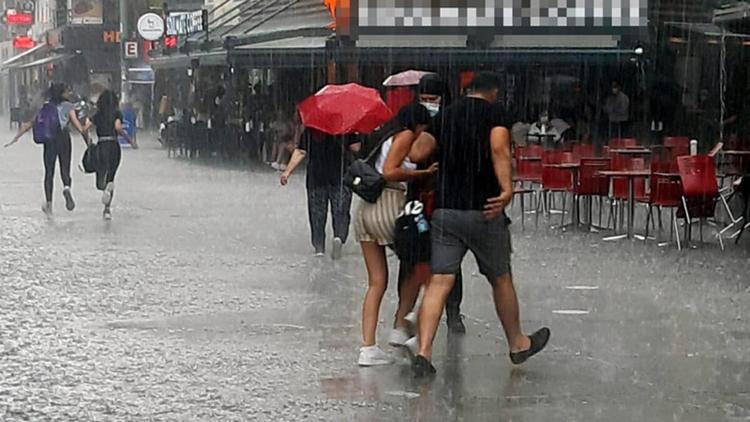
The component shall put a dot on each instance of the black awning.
(301, 51)
(183, 61)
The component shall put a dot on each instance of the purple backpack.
(46, 124)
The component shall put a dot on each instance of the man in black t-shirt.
(327, 161)
(473, 189)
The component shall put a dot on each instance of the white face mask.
(433, 108)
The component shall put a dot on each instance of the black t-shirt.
(327, 157)
(466, 176)
(105, 125)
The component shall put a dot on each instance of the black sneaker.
(455, 323)
(538, 341)
(422, 367)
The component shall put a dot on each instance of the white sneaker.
(373, 356)
(412, 346)
(107, 194)
(107, 215)
(338, 246)
(411, 318)
(398, 337)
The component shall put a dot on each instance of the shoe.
(398, 337)
(338, 245)
(412, 346)
(47, 208)
(107, 194)
(373, 356)
(422, 367)
(275, 166)
(70, 204)
(107, 215)
(538, 341)
(411, 318)
(455, 323)
(319, 254)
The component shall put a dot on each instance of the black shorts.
(455, 232)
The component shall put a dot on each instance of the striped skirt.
(377, 222)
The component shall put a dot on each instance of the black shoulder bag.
(362, 177)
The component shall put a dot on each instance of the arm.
(79, 127)
(502, 164)
(423, 148)
(297, 157)
(21, 131)
(122, 132)
(392, 170)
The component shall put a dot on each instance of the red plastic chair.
(529, 170)
(619, 143)
(665, 192)
(679, 145)
(700, 191)
(584, 151)
(557, 180)
(591, 184)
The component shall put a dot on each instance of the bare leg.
(506, 306)
(409, 291)
(377, 281)
(433, 304)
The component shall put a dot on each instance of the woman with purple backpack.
(56, 141)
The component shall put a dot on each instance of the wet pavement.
(201, 301)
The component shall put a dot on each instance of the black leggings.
(56, 149)
(108, 160)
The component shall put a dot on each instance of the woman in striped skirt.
(375, 224)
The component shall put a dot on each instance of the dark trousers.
(319, 198)
(108, 161)
(57, 149)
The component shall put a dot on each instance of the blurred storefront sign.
(86, 12)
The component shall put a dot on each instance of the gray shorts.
(455, 232)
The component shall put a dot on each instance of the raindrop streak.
(570, 312)
(582, 287)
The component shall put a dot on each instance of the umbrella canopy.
(407, 78)
(344, 109)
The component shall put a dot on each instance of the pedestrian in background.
(108, 122)
(59, 147)
(617, 108)
(327, 157)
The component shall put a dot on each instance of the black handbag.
(411, 240)
(362, 177)
(90, 159)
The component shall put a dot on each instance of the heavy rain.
(333, 210)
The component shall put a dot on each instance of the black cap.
(432, 85)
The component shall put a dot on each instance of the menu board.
(86, 12)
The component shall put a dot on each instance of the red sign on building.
(18, 18)
(23, 43)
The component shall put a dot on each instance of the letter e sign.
(131, 50)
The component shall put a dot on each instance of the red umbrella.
(344, 109)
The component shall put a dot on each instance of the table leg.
(631, 205)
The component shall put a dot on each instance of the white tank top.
(380, 162)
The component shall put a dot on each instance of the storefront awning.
(51, 59)
(26, 54)
(286, 52)
(183, 61)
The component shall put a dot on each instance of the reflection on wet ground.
(200, 301)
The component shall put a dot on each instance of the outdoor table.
(631, 175)
(631, 151)
(573, 168)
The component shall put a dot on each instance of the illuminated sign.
(111, 37)
(170, 41)
(186, 23)
(497, 16)
(23, 43)
(14, 17)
